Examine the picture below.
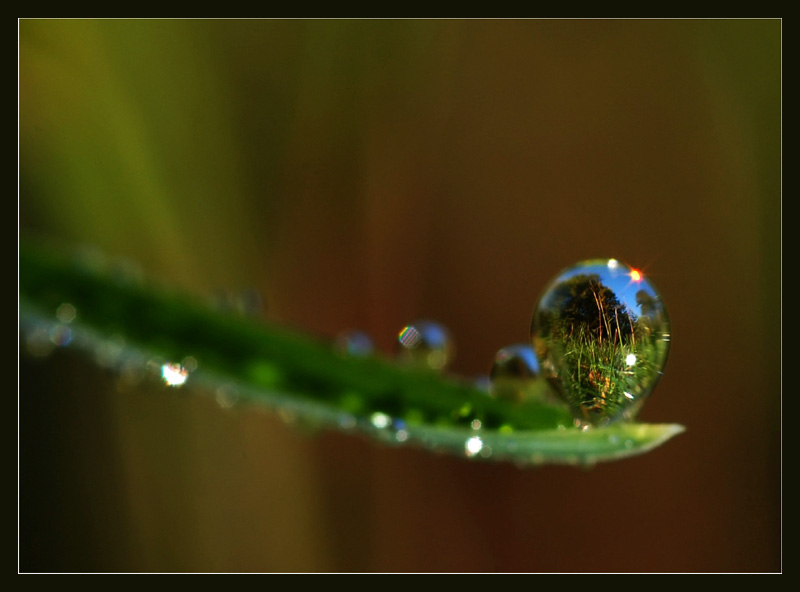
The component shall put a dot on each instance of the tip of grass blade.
(568, 446)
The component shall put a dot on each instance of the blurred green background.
(365, 173)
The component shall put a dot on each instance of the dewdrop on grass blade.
(601, 333)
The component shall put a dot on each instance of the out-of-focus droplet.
(380, 420)
(353, 343)
(515, 368)
(189, 363)
(37, 341)
(60, 335)
(425, 344)
(602, 336)
(473, 446)
(174, 374)
(66, 313)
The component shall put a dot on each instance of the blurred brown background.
(366, 173)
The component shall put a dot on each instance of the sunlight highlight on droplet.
(630, 359)
(380, 420)
(636, 275)
(473, 446)
(174, 374)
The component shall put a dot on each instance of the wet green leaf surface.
(132, 325)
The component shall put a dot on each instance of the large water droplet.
(602, 336)
(513, 372)
(426, 344)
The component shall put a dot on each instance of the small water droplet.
(380, 420)
(473, 446)
(66, 313)
(189, 363)
(425, 344)
(629, 444)
(598, 332)
(174, 374)
(37, 341)
(513, 373)
(353, 343)
(60, 335)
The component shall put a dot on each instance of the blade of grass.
(298, 375)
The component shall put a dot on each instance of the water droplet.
(513, 372)
(425, 344)
(189, 363)
(66, 313)
(473, 446)
(174, 374)
(61, 335)
(601, 333)
(37, 341)
(380, 420)
(353, 343)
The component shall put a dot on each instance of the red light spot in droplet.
(636, 275)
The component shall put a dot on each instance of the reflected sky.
(630, 285)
